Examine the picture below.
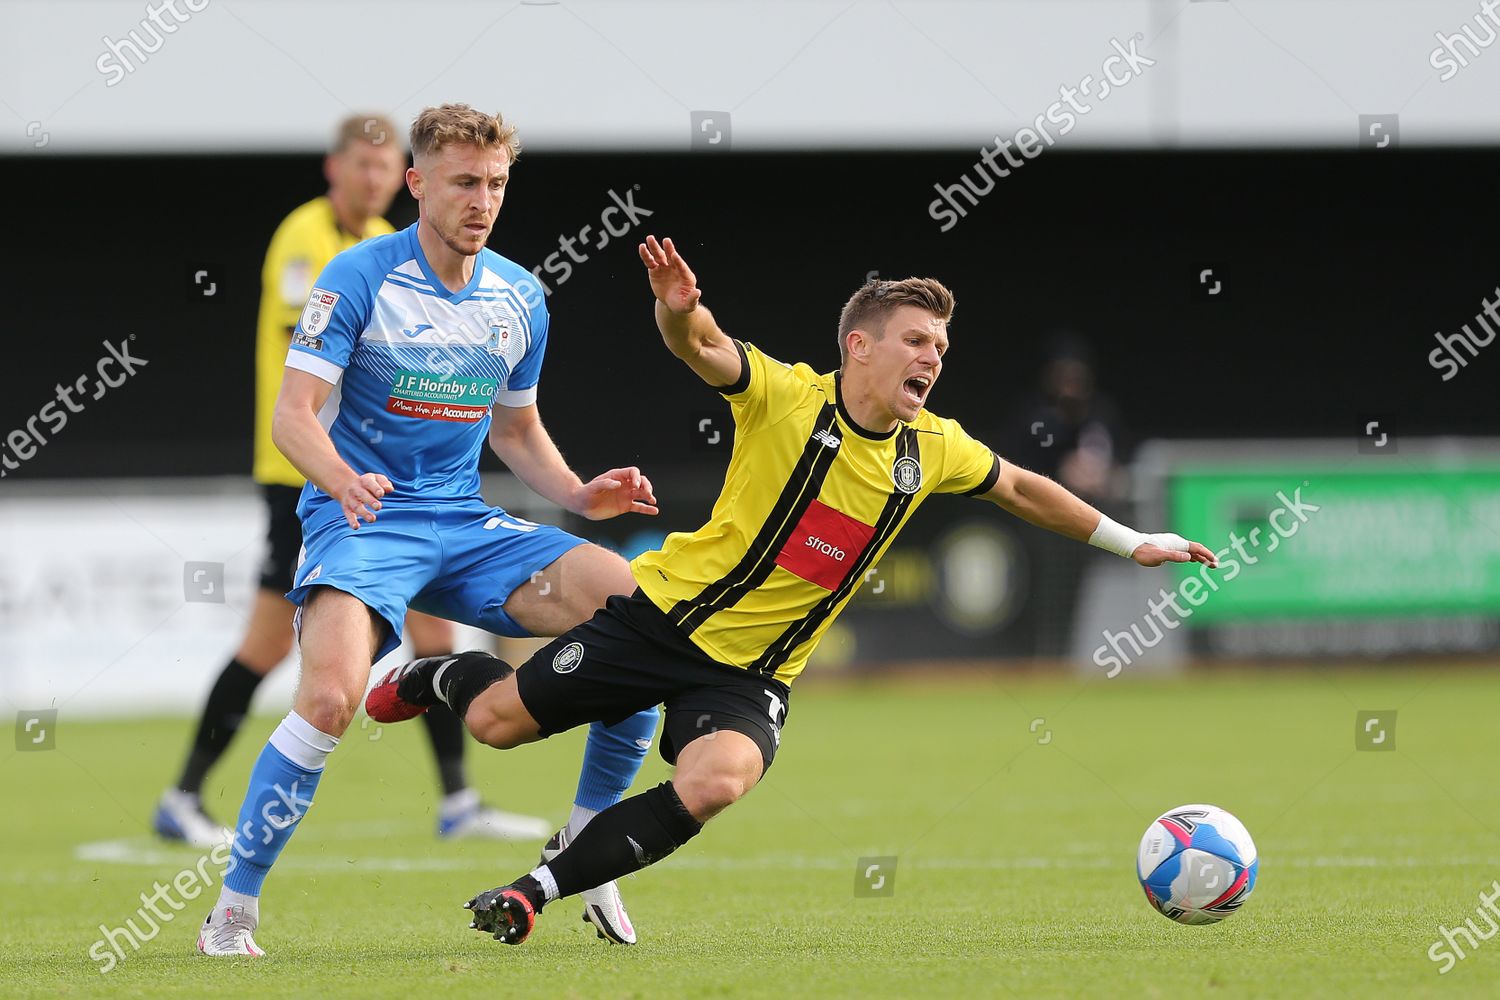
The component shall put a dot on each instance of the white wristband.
(1122, 541)
(1112, 536)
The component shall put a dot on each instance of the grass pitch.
(1013, 808)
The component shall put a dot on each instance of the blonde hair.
(459, 124)
(870, 308)
(374, 129)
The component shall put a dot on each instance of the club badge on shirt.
(907, 474)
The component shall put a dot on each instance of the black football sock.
(222, 715)
(458, 683)
(624, 838)
(447, 736)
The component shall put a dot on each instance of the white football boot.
(602, 906)
(180, 816)
(466, 816)
(229, 930)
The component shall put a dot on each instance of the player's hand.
(360, 497)
(618, 491)
(1175, 549)
(671, 280)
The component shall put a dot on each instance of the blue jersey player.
(414, 350)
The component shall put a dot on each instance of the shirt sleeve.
(286, 277)
(521, 386)
(765, 386)
(970, 468)
(337, 311)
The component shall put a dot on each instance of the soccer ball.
(1197, 864)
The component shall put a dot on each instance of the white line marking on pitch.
(148, 852)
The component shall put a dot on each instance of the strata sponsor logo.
(818, 545)
(823, 545)
(568, 658)
(430, 397)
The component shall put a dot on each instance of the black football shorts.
(283, 537)
(629, 657)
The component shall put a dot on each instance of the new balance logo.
(826, 439)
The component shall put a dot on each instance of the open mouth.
(916, 388)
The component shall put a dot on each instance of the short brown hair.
(374, 129)
(871, 307)
(459, 124)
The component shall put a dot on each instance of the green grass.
(1015, 874)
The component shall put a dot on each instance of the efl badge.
(907, 474)
(319, 308)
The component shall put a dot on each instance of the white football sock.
(228, 897)
(543, 875)
(300, 742)
(579, 819)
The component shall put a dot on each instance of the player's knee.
(494, 730)
(706, 794)
(328, 709)
(494, 720)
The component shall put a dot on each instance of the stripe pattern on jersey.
(891, 516)
(801, 489)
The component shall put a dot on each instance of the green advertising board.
(1409, 540)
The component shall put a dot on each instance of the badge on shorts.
(907, 474)
(567, 659)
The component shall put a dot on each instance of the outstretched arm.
(1046, 504)
(687, 326)
(523, 444)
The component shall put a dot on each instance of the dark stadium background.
(1340, 268)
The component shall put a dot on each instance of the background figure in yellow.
(364, 169)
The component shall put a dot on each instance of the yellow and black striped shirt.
(302, 246)
(810, 503)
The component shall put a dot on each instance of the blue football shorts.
(458, 560)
